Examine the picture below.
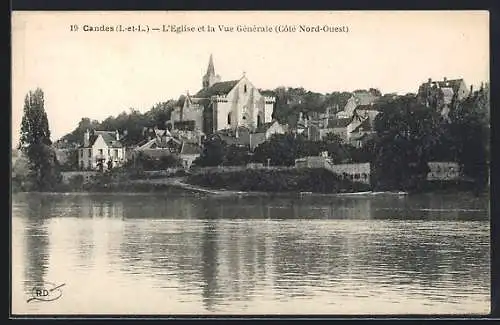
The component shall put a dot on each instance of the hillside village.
(243, 117)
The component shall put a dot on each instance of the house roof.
(339, 123)
(453, 84)
(219, 88)
(109, 138)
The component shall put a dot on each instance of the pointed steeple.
(210, 77)
(211, 69)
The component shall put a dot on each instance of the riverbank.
(269, 180)
(276, 183)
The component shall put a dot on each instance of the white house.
(101, 148)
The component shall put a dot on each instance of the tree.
(35, 143)
(407, 131)
(214, 151)
(469, 130)
(236, 155)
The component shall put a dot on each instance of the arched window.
(229, 118)
(259, 121)
(245, 88)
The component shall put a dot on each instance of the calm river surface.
(151, 254)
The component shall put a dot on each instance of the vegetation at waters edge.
(43, 173)
(269, 180)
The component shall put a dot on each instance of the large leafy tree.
(470, 132)
(407, 132)
(213, 154)
(35, 143)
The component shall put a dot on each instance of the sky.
(97, 74)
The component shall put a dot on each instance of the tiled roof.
(219, 88)
(109, 138)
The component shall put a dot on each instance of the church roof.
(211, 69)
(219, 88)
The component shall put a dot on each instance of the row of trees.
(280, 149)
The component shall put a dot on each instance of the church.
(221, 105)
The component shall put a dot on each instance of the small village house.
(101, 150)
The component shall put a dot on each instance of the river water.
(151, 254)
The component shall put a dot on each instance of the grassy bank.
(263, 180)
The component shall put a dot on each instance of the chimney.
(86, 138)
(117, 135)
(430, 80)
(444, 79)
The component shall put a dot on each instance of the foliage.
(271, 180)
(71, 162)
(283, 149)
(407, 131)
(143, 162)
(236, 155)
(213, 154)
(469, 128)
(35, 143)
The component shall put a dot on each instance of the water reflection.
(237, 255)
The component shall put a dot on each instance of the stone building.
(223, 105)
(441, 94)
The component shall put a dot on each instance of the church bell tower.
(210, 77)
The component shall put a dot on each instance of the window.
(89, 164)
(229, 118)
(109, 152)
(90, 152)
(81, 153)
(116, 153)
(259, 121)
(100, 152)
(245, 88)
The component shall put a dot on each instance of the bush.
(309, 180)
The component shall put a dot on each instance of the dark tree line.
(35, 143)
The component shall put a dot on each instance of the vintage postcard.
(250, 163)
